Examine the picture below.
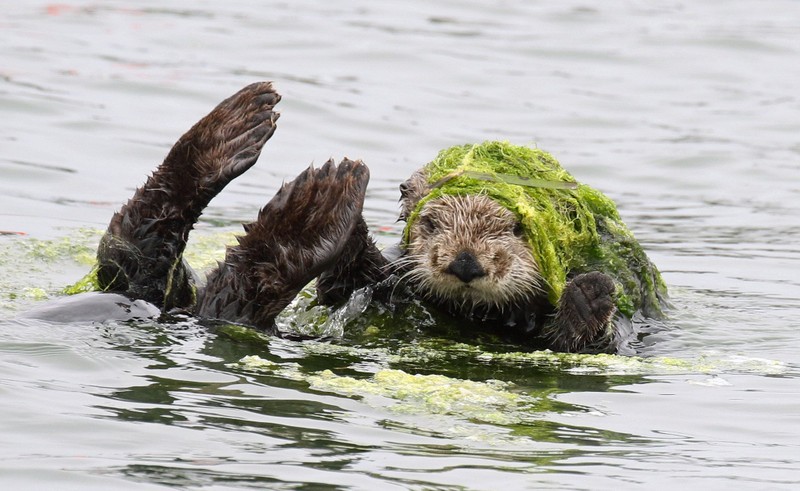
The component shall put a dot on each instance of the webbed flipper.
(299, 234)
(141, 253)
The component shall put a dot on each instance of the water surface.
(684, 113)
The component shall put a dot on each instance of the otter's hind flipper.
(299, 234)
(141, 252)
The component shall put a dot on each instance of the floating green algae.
(709, 362)
(491, 401)
(288, 370)
(204, 250)
(243, 334)
(571, 227)
(483, 393)
(88, 283)
(426, 352)
(35, 269)
(79, 247)
(485, 401)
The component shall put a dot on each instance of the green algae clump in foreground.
(497, 401)
(571, 227)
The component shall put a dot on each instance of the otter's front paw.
(585, 309)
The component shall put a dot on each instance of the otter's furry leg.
(360, 264)
(584, 314)
(141, 252)
(299, 234)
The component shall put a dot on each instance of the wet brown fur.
(299, 234)
(141, 252)
(479, 226)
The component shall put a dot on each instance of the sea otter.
(502, 234)
(495, 234)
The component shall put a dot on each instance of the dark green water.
(685, 114)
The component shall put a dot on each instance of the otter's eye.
(518, 229)
(427, 223)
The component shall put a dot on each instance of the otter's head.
(467, 251)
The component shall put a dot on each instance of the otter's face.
(469, 251)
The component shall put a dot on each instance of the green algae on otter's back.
(571, 227)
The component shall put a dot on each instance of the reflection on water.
(684, 113)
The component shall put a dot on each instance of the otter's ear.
(411, 191)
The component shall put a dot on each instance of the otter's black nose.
(466, 267)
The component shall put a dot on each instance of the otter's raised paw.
(585, 309)
(299, 234)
